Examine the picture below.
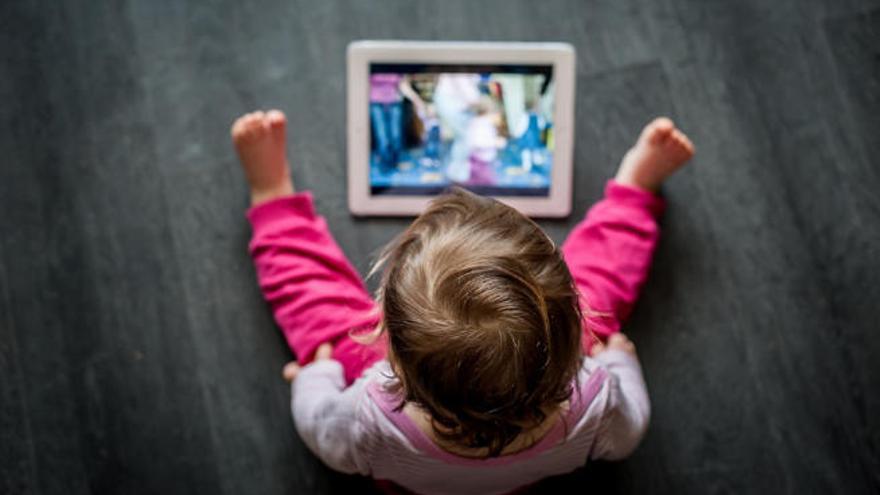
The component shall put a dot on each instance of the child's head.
(482, 319)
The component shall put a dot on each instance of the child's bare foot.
(261, 144)
(660, 151)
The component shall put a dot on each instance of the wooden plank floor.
(136, 354)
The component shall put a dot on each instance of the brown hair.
(482, 319)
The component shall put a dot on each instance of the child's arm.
(314, 292)
(609, 254)
(325, 413)
(312, 289)
(406, 89)
(627, 408)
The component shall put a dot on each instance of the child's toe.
(248, 128)
(276, 118)
(277, 124)
(240, 127)
(658, 130)
(682, 142)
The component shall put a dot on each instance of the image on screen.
(488, 128)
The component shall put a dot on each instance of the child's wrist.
(266, 194)
(625, 178)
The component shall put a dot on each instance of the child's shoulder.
(377, 412)
(375, 384)
(378, 384)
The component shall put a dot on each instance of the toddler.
(497, 359)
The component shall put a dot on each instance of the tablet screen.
(488, 128)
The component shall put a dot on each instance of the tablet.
(494, 118)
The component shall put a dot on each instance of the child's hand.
(617, 341)
(292, 368)
(260, 142)
(660, 151)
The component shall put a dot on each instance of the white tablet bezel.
(362, 53)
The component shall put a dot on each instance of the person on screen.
(455, 96)
(386, 117)
(530, 129)
(496, 355)
(483, 142)
(430, 123)
(432, 133)
(529, 111)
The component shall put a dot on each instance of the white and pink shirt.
(357, 430)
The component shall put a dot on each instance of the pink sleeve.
(609, 255)
(312, 289)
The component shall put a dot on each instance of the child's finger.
(620, 341)
(290, 371)
(597, 348)
(324, 351)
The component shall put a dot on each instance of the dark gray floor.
(136, 355)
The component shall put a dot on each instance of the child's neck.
(522, 442)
